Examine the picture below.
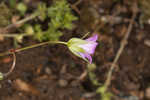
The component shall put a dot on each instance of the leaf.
(43, 10)
(22, 8)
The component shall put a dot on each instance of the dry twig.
(74, 6)
(122, 45)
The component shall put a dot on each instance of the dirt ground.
(50, 72)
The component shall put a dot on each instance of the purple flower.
(83, 48)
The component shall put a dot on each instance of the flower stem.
(12, 67)
(32, 46)
(14, 35)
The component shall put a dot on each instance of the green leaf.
(1, 76)
(104, 94)
(12, 3)
(60, 14)
(22, 8)
(43, 11)
(38, 32)
(29, 30)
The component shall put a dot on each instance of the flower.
(83, 48)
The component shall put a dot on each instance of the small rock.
(132, 98)
(1, 38)
(140, 36)
(141, 95)
(148, 21)
(75, 83)
(147, 94)
(26, 87)
(7, 60)
(62, 83)
(147, 43)
(63, 69)
(48, 70)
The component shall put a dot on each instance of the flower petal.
(93, 38)
(82, 55)
(89, 58)
(89, 47)
(83, 48)
(86, 57)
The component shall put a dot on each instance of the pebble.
(75, 83)
(148, 21)
(63, 83)
(147, 43)
(147, 94)
(48, 70)
(140, 36)
(132, 98)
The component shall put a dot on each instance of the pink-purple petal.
(93, 38)
(89, 47)
(86, 56)
(89, 58)
(82, 55)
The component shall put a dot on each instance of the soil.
(51, 72)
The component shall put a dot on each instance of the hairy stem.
(32, 46)
(12, 67)
(14, 35)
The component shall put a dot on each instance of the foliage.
(12, 3)
(145, 11)
(55, 17)
(60, 18)
(104, 94)
(60, 14)
(101, 88)
(1, 76)
(22, 8)
(5, 14)
(43, 11)
(92, 75)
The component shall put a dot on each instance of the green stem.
(14, 35)
(33, 46)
